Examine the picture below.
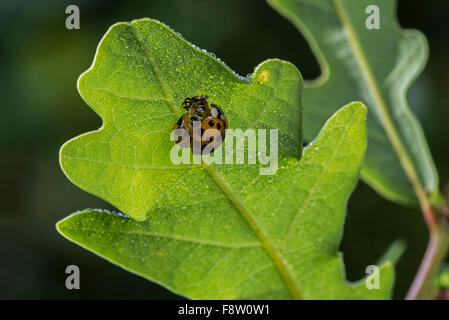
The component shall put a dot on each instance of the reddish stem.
(423, 284)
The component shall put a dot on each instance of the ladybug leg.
(187, 103)
(180, 122)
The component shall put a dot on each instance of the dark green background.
(41, 109)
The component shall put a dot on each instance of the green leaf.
(377, 67)
(212, 231)
(443, 276)
(141, 74)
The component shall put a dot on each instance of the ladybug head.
(196, 101)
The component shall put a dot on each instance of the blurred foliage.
(443, 277)
(40, 63)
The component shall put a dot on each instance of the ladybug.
(210, 116)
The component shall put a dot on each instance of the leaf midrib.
(238, 204)
(380, 104)
(266, 243)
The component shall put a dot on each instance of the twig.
(423, 284)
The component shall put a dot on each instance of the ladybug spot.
(218, 126)
(211, 123)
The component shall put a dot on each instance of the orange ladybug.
(213, 123)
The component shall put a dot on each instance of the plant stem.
(423, 286)
(439, 231)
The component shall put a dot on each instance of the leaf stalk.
(423, 286)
